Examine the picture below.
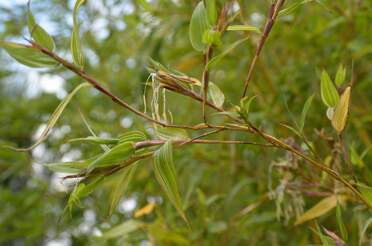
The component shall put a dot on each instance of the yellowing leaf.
(320, 209)
(198, 25)
(27, 56)
(341, 111)
(145, 210)
(328, 91)
(37, 32)
(75, 40)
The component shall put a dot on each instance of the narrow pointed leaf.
(27, 55)
(340, 75)
(304, 112)
(145, 210)
(328, 91)
(38, 33)
(83, 189)
(215, 60)
(171, 133)
(96, 140)
(319, 209)
(364, 230)
(245, 105)
(116, 155)
(55, 116)
(123, 229)
(166, 175)
(69, 167)
(198, 25)
(132, 136)
(216, 95)
(75, 39)
(366, 192)
(289, 10)
(124, 178)
(340, 223)
(243, 28)
(341, 111)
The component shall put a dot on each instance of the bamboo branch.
(273, 13)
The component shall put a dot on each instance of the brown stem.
(208, 55)
(274, 11)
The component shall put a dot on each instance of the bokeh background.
(217, 182)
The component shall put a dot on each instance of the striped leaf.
(55, 116)
(116, 155)
(124, 177)
(37, 32)
(75, 40)
(27, 55)
(198, 26)
(328, 91)
(166, 175)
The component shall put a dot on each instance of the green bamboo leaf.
(123, 229)
(69, 167)
(216, 95)
(124, 177)
(132, 136)
(83, 189)
(198, 25)
(340, 223)
(366, 192)
(37, 32)
(245, 105)
(75, 40)
(96, 140)
(328, 91)
(171, 133)
(211, 7)
(243, 28)
(54, 117)
(364, 230)
(355, 158)
(304, 112)
(27, 55)
(292, 8)
(116, 155)
(342, 109)
(215, 60)
(166, 175)
(340, 75)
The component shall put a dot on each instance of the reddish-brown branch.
(273, 13)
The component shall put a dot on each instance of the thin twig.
(273, 13)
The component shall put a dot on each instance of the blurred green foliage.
(225, 188)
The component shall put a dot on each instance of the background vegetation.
(231, 194)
